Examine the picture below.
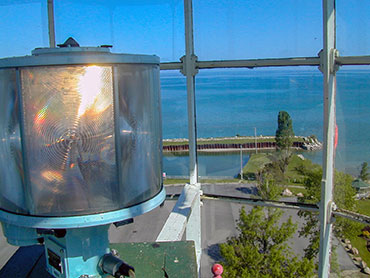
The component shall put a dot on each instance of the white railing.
(185, 218)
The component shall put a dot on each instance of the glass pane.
(239, 108)
(353, 23)
(23, 26)
(175, 126)
(353, 115)
(138, 27)
(241, 29)
(352, 178)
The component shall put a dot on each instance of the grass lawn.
(255, 163)
(293, 174)
(360, 244)
(363, 206)
(175, 181)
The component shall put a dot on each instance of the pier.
(237, 143)
(229, 147)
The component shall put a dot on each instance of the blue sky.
(224, 29)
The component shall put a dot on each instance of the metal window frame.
(186, 214)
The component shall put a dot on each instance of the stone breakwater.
(311, 144)
(212, 144)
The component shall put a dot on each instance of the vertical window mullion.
(327, 185)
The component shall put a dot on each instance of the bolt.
(114, 253)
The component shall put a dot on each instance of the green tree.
(343, 198)
(266, 186)
(284, 133)
(364, 175)
(284, 139)
(261, 249)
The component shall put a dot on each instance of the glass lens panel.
(140, 140)
(11, 164)
(69, 139)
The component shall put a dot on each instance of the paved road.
(218, 223)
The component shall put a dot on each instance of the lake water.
(230, 102)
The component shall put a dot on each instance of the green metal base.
(177, 259)
(155, 259)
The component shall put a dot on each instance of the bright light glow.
(52, 176)
(90, 87)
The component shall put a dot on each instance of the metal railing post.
(189, 70)
(51, 25)
(193, 228)
(329, 71)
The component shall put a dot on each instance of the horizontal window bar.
(283, 205)
(279, 62)
(252, 63)
(260, 202)
(364, 219)
(255, 63)
(353, 60)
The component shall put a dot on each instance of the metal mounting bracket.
(330, 208)
(334, 66)
(189, 65)
(334, 54)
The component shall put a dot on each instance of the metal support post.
(189, 70)
(328, 68)
(51, 23)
